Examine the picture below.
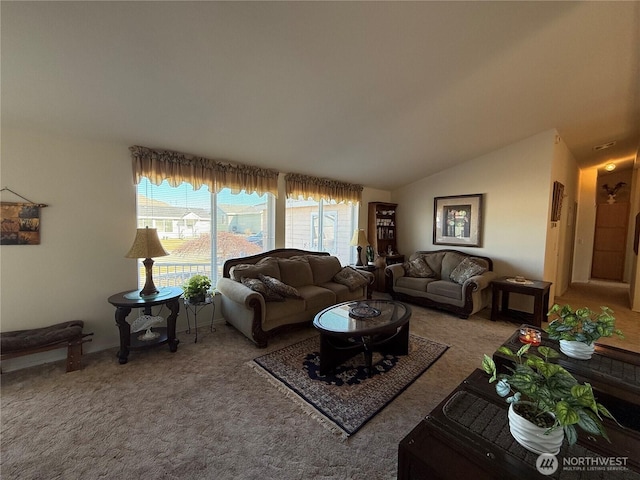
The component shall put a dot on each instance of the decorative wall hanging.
(457, 220)
(556, 205)
(20, 221)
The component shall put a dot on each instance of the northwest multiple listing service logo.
(548, 464)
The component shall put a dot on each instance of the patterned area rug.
(347, 398)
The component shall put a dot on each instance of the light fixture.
(147, 245)
(604, 146)
(610, 167)
(359, 239)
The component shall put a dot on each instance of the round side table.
(125, 301)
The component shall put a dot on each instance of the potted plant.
(546, 402)
(197, 289)
(578, 330)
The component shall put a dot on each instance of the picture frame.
(556, 205)
(457, 220)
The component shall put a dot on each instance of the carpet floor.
(346, 398)
(201, 413)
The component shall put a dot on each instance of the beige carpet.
(202, 413)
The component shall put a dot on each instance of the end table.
(125, 301)
(538, 289)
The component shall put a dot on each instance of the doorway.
(610, 239)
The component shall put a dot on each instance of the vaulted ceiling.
(378, 93)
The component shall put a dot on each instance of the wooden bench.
(26, 342)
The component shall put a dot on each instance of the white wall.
(560, 235)
(370, 195)
(585, 226)
(85, 232)
(515, 181)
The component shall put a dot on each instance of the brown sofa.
(443, 283)
(312, 276)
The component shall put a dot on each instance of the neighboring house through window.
(321, 226)
(200, 230)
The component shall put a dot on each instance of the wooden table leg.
(125, 333)
(174, 307)
(495, 294)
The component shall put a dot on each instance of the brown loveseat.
(310, 282)
(445, 279)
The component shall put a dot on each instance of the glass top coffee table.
(349, 328)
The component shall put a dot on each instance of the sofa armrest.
(391, 275)
(480, 282)
(368, 275)
(394, 271)
(239, 293)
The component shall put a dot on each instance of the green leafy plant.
(197, 287)
(582, 325)
(551, 389)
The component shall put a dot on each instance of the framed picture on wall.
(457, 220)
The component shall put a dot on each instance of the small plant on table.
(196, 289)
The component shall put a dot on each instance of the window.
(187, 219)
(321, 226)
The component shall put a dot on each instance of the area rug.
(347, 398)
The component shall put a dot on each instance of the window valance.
(176, 167)
(321, 188)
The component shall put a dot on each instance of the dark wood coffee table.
(365, 326)
(467, 436)
(614, 374)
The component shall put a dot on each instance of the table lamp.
(359, 239)
(147, 245)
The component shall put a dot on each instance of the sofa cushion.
(278, 287)
(324, 268)
(316, 298)
(351, 278)
(414, 283)
(265, 266)
(342, 292)
(418, 268)
(258, 285)
(295, 271)
(445, 288)
(465, 270)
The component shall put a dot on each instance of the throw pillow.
(351, 278)
(266, 266)
(418, 267)
(258, 286)
(279, 287)
(466, 269)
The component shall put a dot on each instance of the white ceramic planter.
(532, 437)
(578, 350)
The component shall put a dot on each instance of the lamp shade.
(359, 238)
(146, 244)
